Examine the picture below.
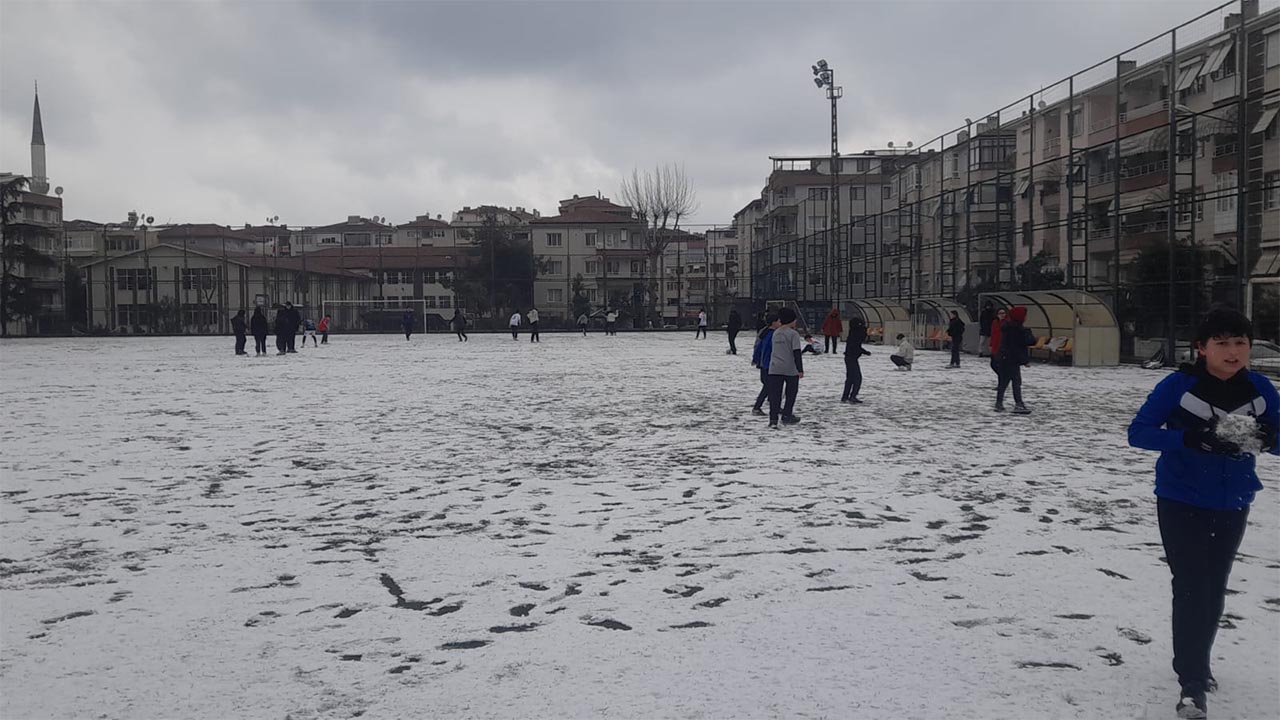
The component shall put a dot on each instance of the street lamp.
(824, 76)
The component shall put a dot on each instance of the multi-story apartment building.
(1170, 145)
(356, 232)
(425, 231)
(594, 238)
(36, 221)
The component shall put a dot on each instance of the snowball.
(1241, 430)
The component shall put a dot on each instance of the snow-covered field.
(590, 527)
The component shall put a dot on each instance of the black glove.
(1269, 435)
(1204, 440)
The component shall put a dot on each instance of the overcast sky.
(233, 112)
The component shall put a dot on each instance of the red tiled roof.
(427, 223)
(205, 230)
(585, 216)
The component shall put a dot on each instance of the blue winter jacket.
(1191, 399)
(764, 350)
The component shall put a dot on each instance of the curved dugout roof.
(1057, 312)
(942, 307)
(878, 312)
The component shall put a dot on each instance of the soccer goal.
(385, 315)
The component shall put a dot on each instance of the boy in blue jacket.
(1204, 484)
(760, 358)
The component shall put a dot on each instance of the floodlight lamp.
(815, 69)
(822, 64)
(817, 81)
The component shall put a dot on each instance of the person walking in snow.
(281, 329)
(514, 324)
(611, 322)
(238, 328)
(324, 329)
(985, 320)
(1205, 484)
(294, 319)
(905, 354)
(760, 356)
(406, 322)
(832, 326)
(1011, 356)
(582, 324)
(459, 323)
(853, 352)
(993, 338)
(259, 327)
(786, 369)
(533, 326)
(734, 327)
(955, 331)
(702, 325)
(309, 331)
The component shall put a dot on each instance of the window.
(446, 301)
(673, 286)
(199, 314)
(612, 267)
(861, 165)
(886, 191)
(593, 295)
(122, 243)
(554, 240)
(858, 194)
(391, 277)
(133, 278)
(1273, 48)
(1225, 191)
(430, 277)
(357, 239)
(1271, 181)
(555, 295)
(818, 194)
(637, 267)
(413, 235)
(555, 267)
(593, 267)
(437, 233)
(590, 239)
(430, 301)
(199, 278)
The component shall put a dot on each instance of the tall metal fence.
(1151, 179)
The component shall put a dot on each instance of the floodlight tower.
(825, 77)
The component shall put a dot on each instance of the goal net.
(385, 315)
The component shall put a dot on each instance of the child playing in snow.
(1205, 482)
(905, 355)
(811, 345)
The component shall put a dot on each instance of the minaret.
(39, 175)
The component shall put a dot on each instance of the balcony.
(1159, 106)
(1053, 147)
(1142, 169)
(1105, 123)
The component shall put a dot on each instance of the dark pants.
(899, 361)
(240, 342)
(260, 344)
(984, 343)
(733, 346)
(584, 330)
(777, 385)
(1010, 373)
(831, 343)
(995, 366)
(608, 329)
(462, 335)
(533, 333)
(764, 389)
(282, 345)
(291, 340)
(702, 330)
(408, 332)
(852, 377)
(955, 351)
(1200, 545)
(324, 337)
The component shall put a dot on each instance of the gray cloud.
(232, 112)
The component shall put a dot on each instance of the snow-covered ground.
(585, 527)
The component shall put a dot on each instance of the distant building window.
(590, 239)
(555, 267)
(445, 301)
(886, 191)
(554, 240)
(858, 193)
(637, 267)
(555, 295)
(199, 278)
(593, 267)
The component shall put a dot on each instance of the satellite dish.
(150, 220)
(908, 143)
(58, 191)
(890, 143)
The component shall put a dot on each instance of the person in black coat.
(735, 326)
(238, 327)
(955, 331)
(295, 321)
(258, 326)
(281, 328)
(1015, 339)
(853, 352)
(985, 319)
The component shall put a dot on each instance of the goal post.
(372, 315)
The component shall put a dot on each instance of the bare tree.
(661, 198)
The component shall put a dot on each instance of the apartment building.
(37, 222)
(597, 239)
(425, 231)
(356, 232)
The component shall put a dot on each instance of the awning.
(1268, 117)
(1188, 73)
(1216, 56)
(1136, 144)
(1023, 184)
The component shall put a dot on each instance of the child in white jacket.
(905, 355)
